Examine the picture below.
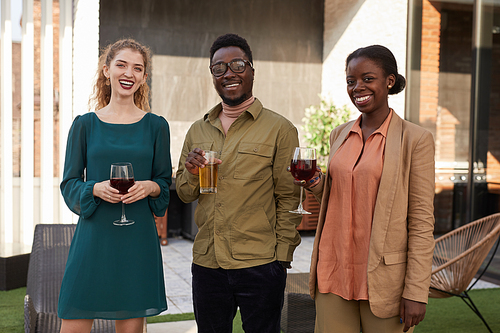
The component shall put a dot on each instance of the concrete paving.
(177, 258)
(188, 326)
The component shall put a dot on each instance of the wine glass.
(303, 167)
(122, 178)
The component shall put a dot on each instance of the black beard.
(234, 102)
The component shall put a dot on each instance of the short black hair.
(231, 40)
(385, 59)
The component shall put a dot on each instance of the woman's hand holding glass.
(311, 182)
(107, 193)
(140, 190)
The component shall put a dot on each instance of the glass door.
(484, 176)
(454, 49)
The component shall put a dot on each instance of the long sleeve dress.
(114, 272)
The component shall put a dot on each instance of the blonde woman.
(115, 272)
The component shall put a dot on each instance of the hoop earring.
(108, 82)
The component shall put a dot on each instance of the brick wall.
(16, 91)
(429, 86)
(16, 107)
(429, 109)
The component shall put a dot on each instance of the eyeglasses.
(237, 66)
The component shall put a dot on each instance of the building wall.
(286, 37)
(358, 23)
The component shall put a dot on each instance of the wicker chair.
(46, 268)
(458, 256)
(299, 311)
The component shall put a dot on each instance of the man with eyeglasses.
(247, 234)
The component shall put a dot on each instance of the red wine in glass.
(122, 184)
(303, 167)
(122, 178)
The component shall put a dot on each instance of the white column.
(46, 115)
(66, 91)
(85, 51)
(6, 178)
(27, 123)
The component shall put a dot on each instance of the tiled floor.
(177, 258)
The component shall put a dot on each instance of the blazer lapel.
(386, 191)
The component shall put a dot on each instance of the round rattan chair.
(458, 256)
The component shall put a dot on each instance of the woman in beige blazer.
(382, 283)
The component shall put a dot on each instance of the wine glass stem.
(300, 201)
(124, 218)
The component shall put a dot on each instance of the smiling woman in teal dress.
(115, 272)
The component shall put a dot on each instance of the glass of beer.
(208, 174)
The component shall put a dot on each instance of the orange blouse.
(355, 170)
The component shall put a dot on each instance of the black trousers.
(257, 291)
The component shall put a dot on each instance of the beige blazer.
(401, 242)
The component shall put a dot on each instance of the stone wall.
(286, 38)
(358, 23)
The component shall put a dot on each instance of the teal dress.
(114, 272)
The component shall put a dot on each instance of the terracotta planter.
(309, 222)
(161, 227)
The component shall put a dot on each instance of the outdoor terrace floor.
(177, 258)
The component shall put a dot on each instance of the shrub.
(319, 121)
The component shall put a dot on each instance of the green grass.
(12, 310)
(443, 315)
(237, 328)
(453, 315)
(170, 318)
(12, 313)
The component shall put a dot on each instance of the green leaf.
(319, 121)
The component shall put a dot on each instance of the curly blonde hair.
(101, 92)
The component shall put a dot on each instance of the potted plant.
(319, 121)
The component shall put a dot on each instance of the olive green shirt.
(247, 223)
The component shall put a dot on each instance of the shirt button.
(221, 177)
(217, 232)
(256, 149)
